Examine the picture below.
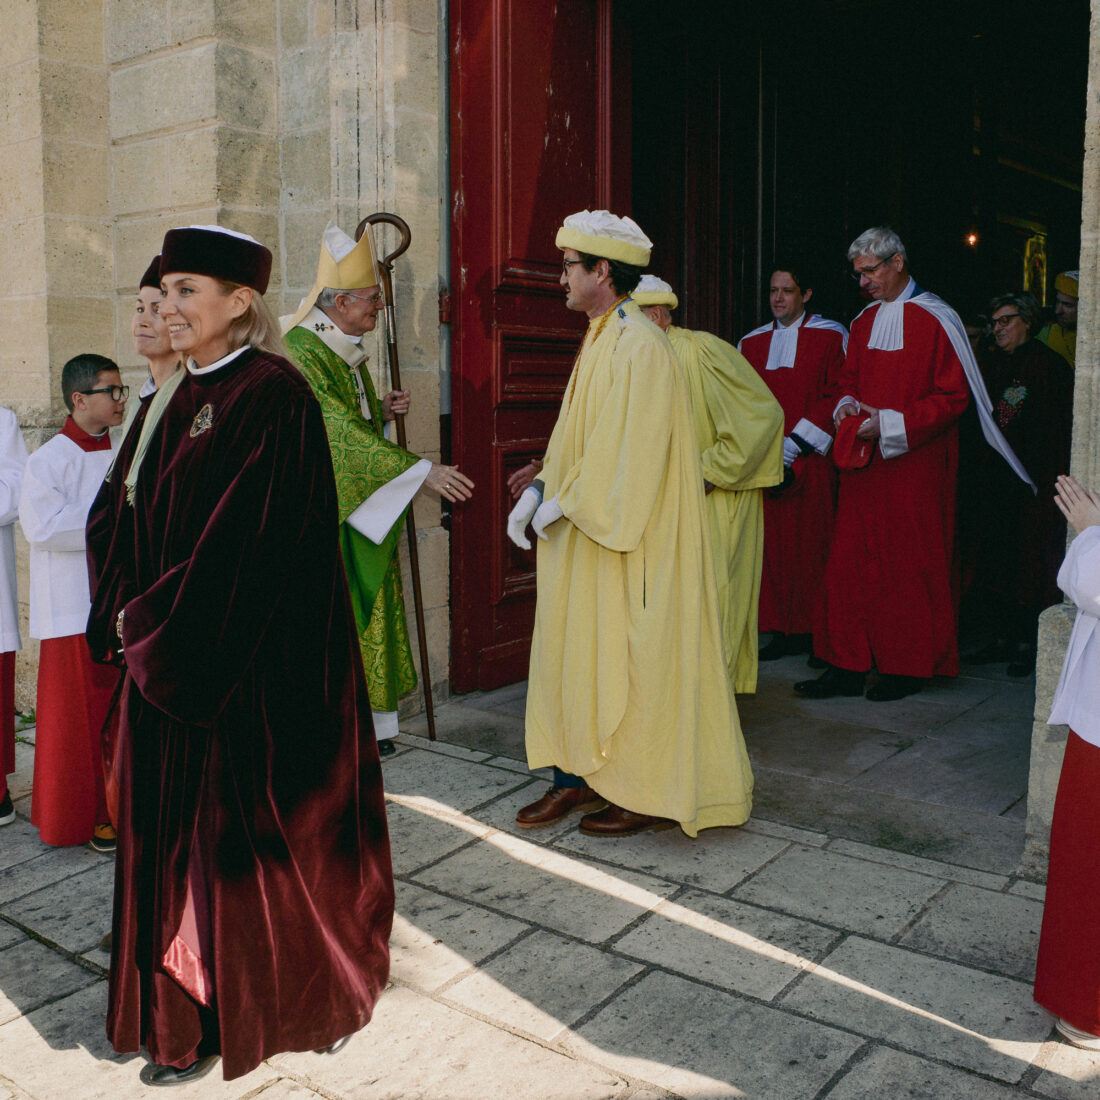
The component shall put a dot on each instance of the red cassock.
(798, 522)
(889, 600)
(254, 892)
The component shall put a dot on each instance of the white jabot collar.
(784, 346)
(194, 369)
(888, 331)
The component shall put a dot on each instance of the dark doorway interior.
(762, 132)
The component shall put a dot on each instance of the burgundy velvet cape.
(249, 776)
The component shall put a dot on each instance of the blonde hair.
(256, 326)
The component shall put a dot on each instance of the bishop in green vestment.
(376, 480)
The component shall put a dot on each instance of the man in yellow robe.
(628, 697)
(739, 430)
(1061, 334)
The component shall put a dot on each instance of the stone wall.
(1048, 742)
(122, 118)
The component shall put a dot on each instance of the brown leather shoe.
(615, 821)
(558, 802)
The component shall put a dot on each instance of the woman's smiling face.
(199, 313)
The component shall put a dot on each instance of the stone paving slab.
(947, 833)
(942, 1010)
(717, 859)
(840, 891)
(840, 749)
(1069, 1074)
(417, 1049)
(61, 1052)
(31, 974)
(728, 944)
(561, 893)
(492, 731)
(460, 784)
(420, 835)
(47, 866)
(719, 1045)
(74, 913)
(933, 867)
(980, 928)
(543, 984)
(987, 777)
(893, 1075)
(436, 938)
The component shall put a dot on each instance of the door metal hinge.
(444, 308)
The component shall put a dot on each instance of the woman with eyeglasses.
(254, 893)
(1018, 536)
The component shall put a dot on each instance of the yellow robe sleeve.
(738, 423)
(609, 493)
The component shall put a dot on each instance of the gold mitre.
(652, 291)
(344, 264)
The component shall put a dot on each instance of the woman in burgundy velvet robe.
(254, 893)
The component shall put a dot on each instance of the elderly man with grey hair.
(888, 603)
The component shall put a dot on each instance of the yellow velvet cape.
(739, 430)
(628, 685)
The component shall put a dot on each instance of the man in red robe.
(888, 601)
(799, 355)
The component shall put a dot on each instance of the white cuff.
(891, 433)
(812, 434)
(847, 399)
(377, 514)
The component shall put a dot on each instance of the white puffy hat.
(601, 233)
(652, 291)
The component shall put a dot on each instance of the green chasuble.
(363, 461)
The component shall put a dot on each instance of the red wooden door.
(540, 127)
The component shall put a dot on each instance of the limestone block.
(26, 316)
(1048, 743)
(23, 266)
(136, 27)
(146, 97)
(79, 257)
(434, 548)
(140, 176)
(75, 178)
(245, 84)
(138, 240)
(19, 42)
(246, 22)
(247, 168)
(77, 325)
(21, 179)
(71, 32)
(412, 66)
(294, 23)
(20, 104)
(422, 422)
(304, 88)
(416, 166)
(305, 168)
(193, 166)
(301, 242)
(413, 15)
(22, 389)
(74, 102)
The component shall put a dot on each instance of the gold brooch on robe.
(203, 422)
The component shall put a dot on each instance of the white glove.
(549, 511)
(521, 515)
(791, 450)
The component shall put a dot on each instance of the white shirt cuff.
(892, 440)
(812, 434)
(377, 514)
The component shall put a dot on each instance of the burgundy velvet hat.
(152, 274)
(849, 451)
(217, 252)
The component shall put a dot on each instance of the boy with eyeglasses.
(68, 802)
